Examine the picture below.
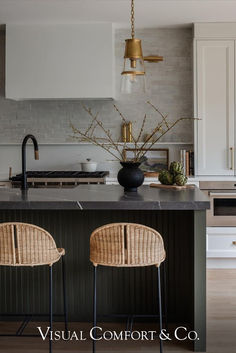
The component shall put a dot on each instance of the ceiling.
(149, 13)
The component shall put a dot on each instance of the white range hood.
(59, 61)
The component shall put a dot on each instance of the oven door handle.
(222, 194)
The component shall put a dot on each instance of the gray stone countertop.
(102, 197)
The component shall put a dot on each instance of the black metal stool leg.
(160, 306)
(127, 323)
(25, 322)
(50, 306)
(165, 294)
(64, 297)
(94, 306)
(131, 323)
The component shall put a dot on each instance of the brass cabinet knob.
(234, 242)
(231, 158)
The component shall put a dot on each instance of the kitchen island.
(70, 215)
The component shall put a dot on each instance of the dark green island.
(70, 215)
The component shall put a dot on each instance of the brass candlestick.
(130, 139)
(124, 133)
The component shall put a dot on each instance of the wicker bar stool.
(126, 245)
(23, 244)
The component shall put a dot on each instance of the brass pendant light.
(133, 74)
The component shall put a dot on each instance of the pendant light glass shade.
(133, 74)
(133, 83)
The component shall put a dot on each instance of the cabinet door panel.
(215, 106)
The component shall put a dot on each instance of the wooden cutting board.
(173, 187)
(151, 174)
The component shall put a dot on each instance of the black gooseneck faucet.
(24, 185)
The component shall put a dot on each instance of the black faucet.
(24, 185)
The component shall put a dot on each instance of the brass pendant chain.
(132, 19)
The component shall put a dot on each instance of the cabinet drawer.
(221, 245)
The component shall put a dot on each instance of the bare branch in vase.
(116, 149)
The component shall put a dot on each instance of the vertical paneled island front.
(71, 215)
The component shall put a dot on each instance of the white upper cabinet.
(59, 61)
(215, 106)
(214, 103)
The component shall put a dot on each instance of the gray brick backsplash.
(169, 86)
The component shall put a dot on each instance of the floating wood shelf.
(89, 143)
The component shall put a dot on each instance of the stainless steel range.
(222, 195)
(59, 179)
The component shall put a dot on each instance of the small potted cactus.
(173, 176)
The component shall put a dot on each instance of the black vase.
(130, 176)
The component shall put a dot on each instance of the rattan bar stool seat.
(126, 245)
(23, 244)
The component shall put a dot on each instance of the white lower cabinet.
(221, 247)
